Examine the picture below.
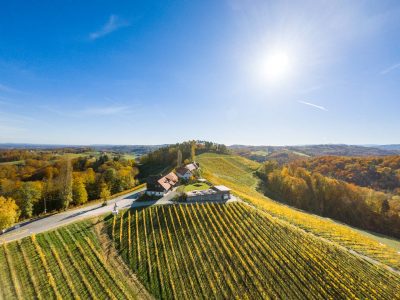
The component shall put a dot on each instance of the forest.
(311, 191)
(166, 157)
(35, 181)
(379, 173)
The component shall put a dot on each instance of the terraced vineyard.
(65, 264)
(238, 173)
(230, 251)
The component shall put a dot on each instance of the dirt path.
(116, 261)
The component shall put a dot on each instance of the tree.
(104, 192)
(385, 207)
(193, 150)
(65, 181)
(8, 212)
(79, 192)
(179, 160)
(28, 195)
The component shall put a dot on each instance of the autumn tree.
(27, 196)
(8, 212)
(79, 192)
(65, 184)
(179, 159)
(193, 150)
(104, 192)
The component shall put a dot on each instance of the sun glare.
(276, 67)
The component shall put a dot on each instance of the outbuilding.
(215, 193)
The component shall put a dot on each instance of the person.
(115, 210)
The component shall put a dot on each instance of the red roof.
(168, 181)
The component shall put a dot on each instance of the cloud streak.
(114, 23)
(313, 105)
(107, 110)
(390, 69)
(7, 89)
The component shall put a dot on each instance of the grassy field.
(65, 264)
(16, 162)
(199, 186)
(210, 251)
(238, 174)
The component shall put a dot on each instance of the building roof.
(168, 181)
(221, 188)
(153, 185)
(191, 167)
(182, 170)
(202, 192)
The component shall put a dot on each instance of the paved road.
(61, 219)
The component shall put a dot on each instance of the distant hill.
(286, 154)
(137, 150)
(394, 147)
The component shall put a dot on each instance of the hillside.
(379, 173)
(68, 263)
(234, 251)
(238, 174)
(200, 251)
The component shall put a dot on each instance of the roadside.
(123, 202)
(60, 219)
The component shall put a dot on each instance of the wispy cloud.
(390, 69)
(114, 23)
(107, 110)
(313, 105)
(7, 89)
(310, 89)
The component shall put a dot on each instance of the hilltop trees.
(167, 157)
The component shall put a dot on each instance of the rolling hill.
(212, 251)
(249, 250)
(286, 154)
(237, 173)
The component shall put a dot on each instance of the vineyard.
(238, 173)
(64, 264)
(231, 251)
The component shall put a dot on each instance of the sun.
(276, 66)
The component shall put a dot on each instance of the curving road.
(63, 218)
(48, 223)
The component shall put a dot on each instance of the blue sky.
(236, 72)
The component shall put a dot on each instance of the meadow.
(214, 251)
(238, 174)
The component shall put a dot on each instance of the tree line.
(379, 173)
(166, 157)
(328, 197)
(40, 184)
